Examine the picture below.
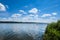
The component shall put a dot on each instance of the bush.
(52, 31)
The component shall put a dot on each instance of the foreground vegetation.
(52, 31)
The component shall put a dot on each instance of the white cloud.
(22, 11)
(41, 20)
(16, 15)
(52, 17)
(31, 15)
(28, 18)
(33, 10)
(36, 16)
(2, 7)
(54, 13)
(49, 20)
(46, 15)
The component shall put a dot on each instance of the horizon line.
(19, 22)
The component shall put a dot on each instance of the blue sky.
(30, 10)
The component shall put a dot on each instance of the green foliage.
(52, 31)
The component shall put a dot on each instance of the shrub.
(52, 31)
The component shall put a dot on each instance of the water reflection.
(18, 31)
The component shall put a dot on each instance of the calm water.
(9, 31)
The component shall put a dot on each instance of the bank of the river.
(52, 31)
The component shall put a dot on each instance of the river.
(22, 31)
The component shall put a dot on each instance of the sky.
(30, 10)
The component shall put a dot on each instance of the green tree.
(52, 31)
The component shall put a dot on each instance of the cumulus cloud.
(49, 20)
(28, 18)
(13, 17)
(53, 17)
(42, 20)
(54, 13)
(2, 7)
(33, 10)
(16, 15)
(22, 11)
(36, 16)
(32, 17)
(46, 15)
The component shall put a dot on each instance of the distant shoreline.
(22, 22)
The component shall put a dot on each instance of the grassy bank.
(52, 31)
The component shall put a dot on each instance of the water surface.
(19, 30)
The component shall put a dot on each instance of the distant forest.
(21, 22)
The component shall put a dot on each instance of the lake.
(22, 31)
